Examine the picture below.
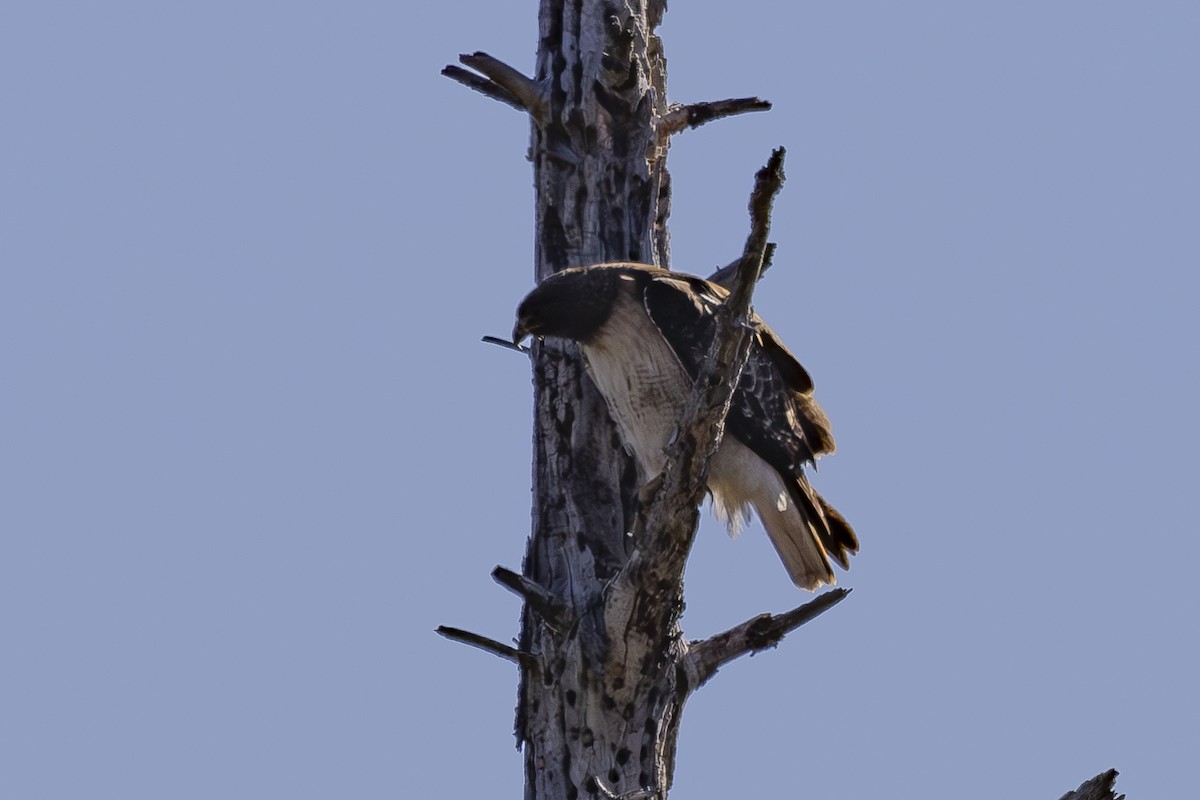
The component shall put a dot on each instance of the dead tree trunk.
(605, 669)
(604, 666)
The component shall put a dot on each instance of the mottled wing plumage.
(772, 410)
(644, 334)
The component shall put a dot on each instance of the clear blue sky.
(252, 451)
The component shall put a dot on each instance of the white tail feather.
(739, 479)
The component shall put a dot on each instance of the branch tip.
(505, 343)
(543, 602)
(1098, 788)
(501, 82)
(504, 651)
(694, 115)
(765, 631)
(481, 85)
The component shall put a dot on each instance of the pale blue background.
(253, 452)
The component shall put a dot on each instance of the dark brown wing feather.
(772, 411)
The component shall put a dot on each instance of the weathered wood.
(603, 678)
(694, 115)
(545, 604)
(707, 656)
(507, 652)
(605, 670)
(1098, 788)
(602, 194)
(501, 82)
(665, 528)
(726, 274)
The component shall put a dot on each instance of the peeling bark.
(1098, 788)
(604, 667)
(591, 725)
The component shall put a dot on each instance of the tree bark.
(602, 657)
(588, 723)
(1098, 788)
(605, 669)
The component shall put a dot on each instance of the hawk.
(644, 333)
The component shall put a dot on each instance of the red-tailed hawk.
(644, 333)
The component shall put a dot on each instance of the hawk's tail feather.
(840, 541)
(835, 535)
(806, 534)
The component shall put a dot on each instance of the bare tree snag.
(598, 712)
(604, 666)
(1098, 788)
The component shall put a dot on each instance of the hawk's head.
(571, 304)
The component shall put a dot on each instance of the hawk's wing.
(772, 412)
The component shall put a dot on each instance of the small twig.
(1098, 788)
(541, 600)
(694, 115)
(532, 95)
(707, 656)
(505, 343)
(481, 85)
(487, 645)
(725, 275)
(501, 82)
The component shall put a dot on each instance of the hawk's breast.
(640, 377)
(646, 389)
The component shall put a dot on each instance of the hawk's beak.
(519, 333)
